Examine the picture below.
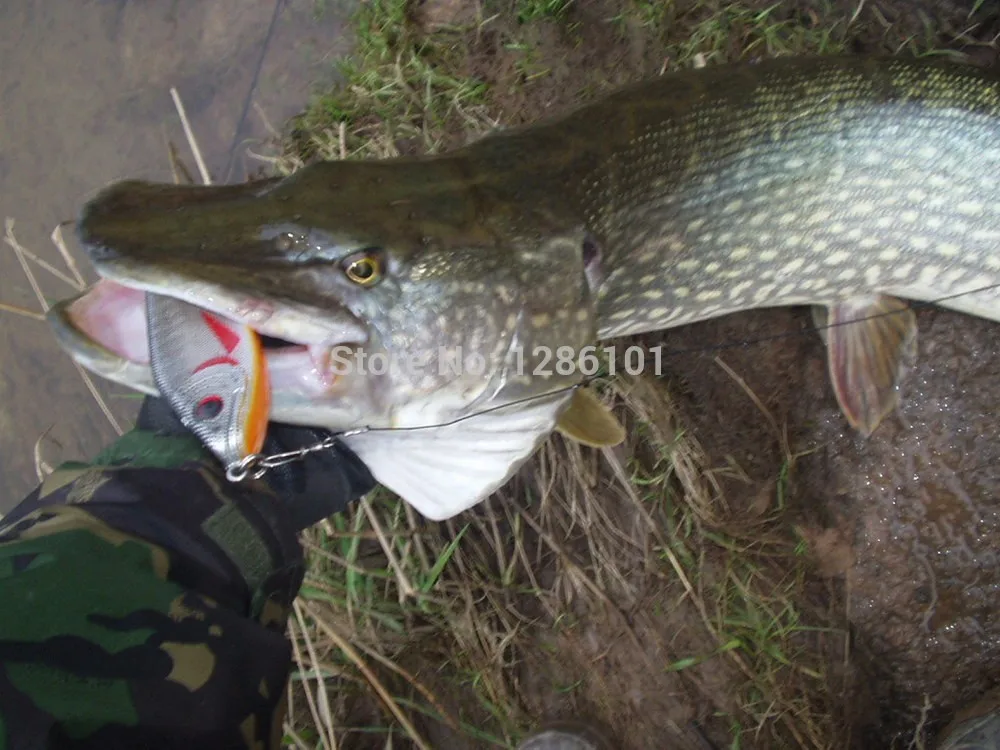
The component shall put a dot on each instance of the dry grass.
(468, 623)
(72, 278)
(624, 546)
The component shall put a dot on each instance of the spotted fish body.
(842, 183)
(796, 182)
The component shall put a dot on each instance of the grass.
(533, 10)
(455, 611)
(715, 30)
(398, 89)
(407, 92)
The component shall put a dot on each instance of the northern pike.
(845, 183)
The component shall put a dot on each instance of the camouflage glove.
(145, 599)
(145, 596)
(311, 489)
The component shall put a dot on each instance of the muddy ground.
(901, 528)
(907, 520)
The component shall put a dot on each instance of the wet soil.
(907, 519)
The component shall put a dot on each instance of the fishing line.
(265, 47)
(674, 352)
(257, 464)
(816, 329)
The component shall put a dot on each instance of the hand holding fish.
(310, 489)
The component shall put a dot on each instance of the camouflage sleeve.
(143, 602)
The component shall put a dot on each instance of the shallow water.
(85, 100)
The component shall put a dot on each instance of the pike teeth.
(320, 355)
(254, 313)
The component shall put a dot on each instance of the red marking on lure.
(226, 336)
(259, 394)
(216, 361)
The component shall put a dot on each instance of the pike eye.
(364, 269)
(208, 408)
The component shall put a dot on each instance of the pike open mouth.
(108, 323)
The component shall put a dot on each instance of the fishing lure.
(213, 373)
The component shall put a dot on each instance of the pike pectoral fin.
(871, 343)
(442, 471)
(588, 421)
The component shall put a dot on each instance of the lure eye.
(208, 408)
(364, 269)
